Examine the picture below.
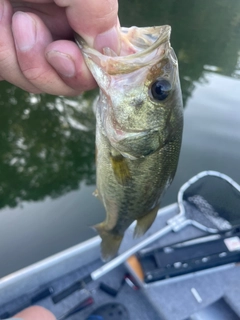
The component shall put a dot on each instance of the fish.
(139, 124)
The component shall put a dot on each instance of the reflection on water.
(47, 143)
(204, 33)
(41, 228)
(211, 137)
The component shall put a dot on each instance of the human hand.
(34, 313)
(37, 53)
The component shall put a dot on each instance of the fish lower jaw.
(128, 155)
(126, 152)
(117, 135)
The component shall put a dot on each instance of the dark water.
(47, 170)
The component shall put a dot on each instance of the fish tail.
(110, 242)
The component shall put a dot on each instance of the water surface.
(47, 169)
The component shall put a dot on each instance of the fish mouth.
(140, 47)
(142, 41)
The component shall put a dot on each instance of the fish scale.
(139, 121)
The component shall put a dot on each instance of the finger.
(9, 68)
(96, 21)
(31, 38)
(35, 1)
(35, 313)
(53, 16)
(67, 60)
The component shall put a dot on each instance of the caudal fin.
(110, 242)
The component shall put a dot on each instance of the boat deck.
(168, 299)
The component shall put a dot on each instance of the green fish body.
(139, 129)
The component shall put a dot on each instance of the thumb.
(95, 20)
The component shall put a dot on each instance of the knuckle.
(5, 57)
(34, 74)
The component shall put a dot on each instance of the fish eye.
(160, 89)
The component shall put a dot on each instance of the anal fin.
(145, 222)
(110, 242)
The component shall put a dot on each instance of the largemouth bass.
(139, 117)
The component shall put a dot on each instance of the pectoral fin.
(120, 169)
(145, 222)
(110, 242)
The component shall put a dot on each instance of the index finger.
(95, 20)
